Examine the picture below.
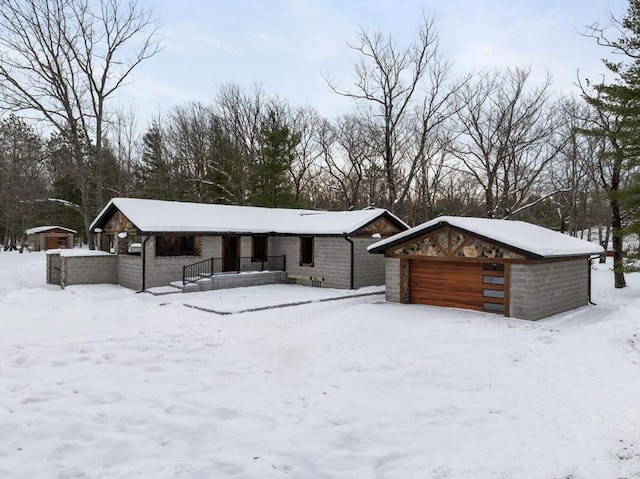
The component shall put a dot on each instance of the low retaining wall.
(68, 267)
(236, 280)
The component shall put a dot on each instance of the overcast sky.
(288, 45)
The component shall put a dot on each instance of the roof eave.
(530, 255)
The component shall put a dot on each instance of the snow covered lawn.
(238, 300)
(100, 382)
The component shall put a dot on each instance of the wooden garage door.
(55, 242)
(478, 286)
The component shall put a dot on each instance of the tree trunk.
(616, 240)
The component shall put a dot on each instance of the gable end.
(455, 244)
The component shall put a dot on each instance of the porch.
(222, 273)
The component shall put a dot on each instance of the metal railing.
(212, 266)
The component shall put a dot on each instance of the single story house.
(507, 267)
(157, 242)
(50, 237)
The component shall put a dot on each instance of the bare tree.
(403, 94)
(348, 156)
(62, 61)
(305, 168)
(506, 137)
(242, 114)
(21, 173)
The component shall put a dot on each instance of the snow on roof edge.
(520, 235)
(143, 214)
(41, 229)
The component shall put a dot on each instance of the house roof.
(42, 229)
(535, 240)
(155, 216)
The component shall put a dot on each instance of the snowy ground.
(100, 382)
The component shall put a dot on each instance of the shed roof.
(519, 235)
(156, 216)
(42, 229)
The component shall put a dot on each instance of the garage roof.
(518, 235)
(155, 216)
(42, 229)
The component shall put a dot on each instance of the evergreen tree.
(153, 174)
(269, 181)
(616, 123)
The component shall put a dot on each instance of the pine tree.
(153, 175)
(616, 122)
(269, 181)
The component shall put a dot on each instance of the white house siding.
(331, 262)
(543, 289)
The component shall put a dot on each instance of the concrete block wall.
(543, 289)
(89, 270)
(392, 279)
(130, 271)
(242, 280)
(245, 246)
(210, 247)
(162, 270)
(331, 261)
(369, 269)
(54, 272)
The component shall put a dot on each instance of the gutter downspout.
(144, 263)
(348, 238)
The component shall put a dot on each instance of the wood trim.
(440, 247)
(238, 245)
(507, 290)
(402, 287)
(460, 246)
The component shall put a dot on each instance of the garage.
(478, 286)
(511, 268)
(57, 242)
(50, 237)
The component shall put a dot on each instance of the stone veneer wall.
(331, 261)
(543, 289)
(392, 279)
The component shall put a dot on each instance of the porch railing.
(212, 266)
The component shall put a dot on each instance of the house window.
(492, 293)
(493, 307)
(306, 251)
(493, 279)
(175, 246)
(259, 248)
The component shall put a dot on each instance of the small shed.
(50, 237)
(507, 267)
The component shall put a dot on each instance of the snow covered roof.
(77, 252)
(41, 229)
(537, 241)
(155, 216)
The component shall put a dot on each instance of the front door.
(230, 253)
